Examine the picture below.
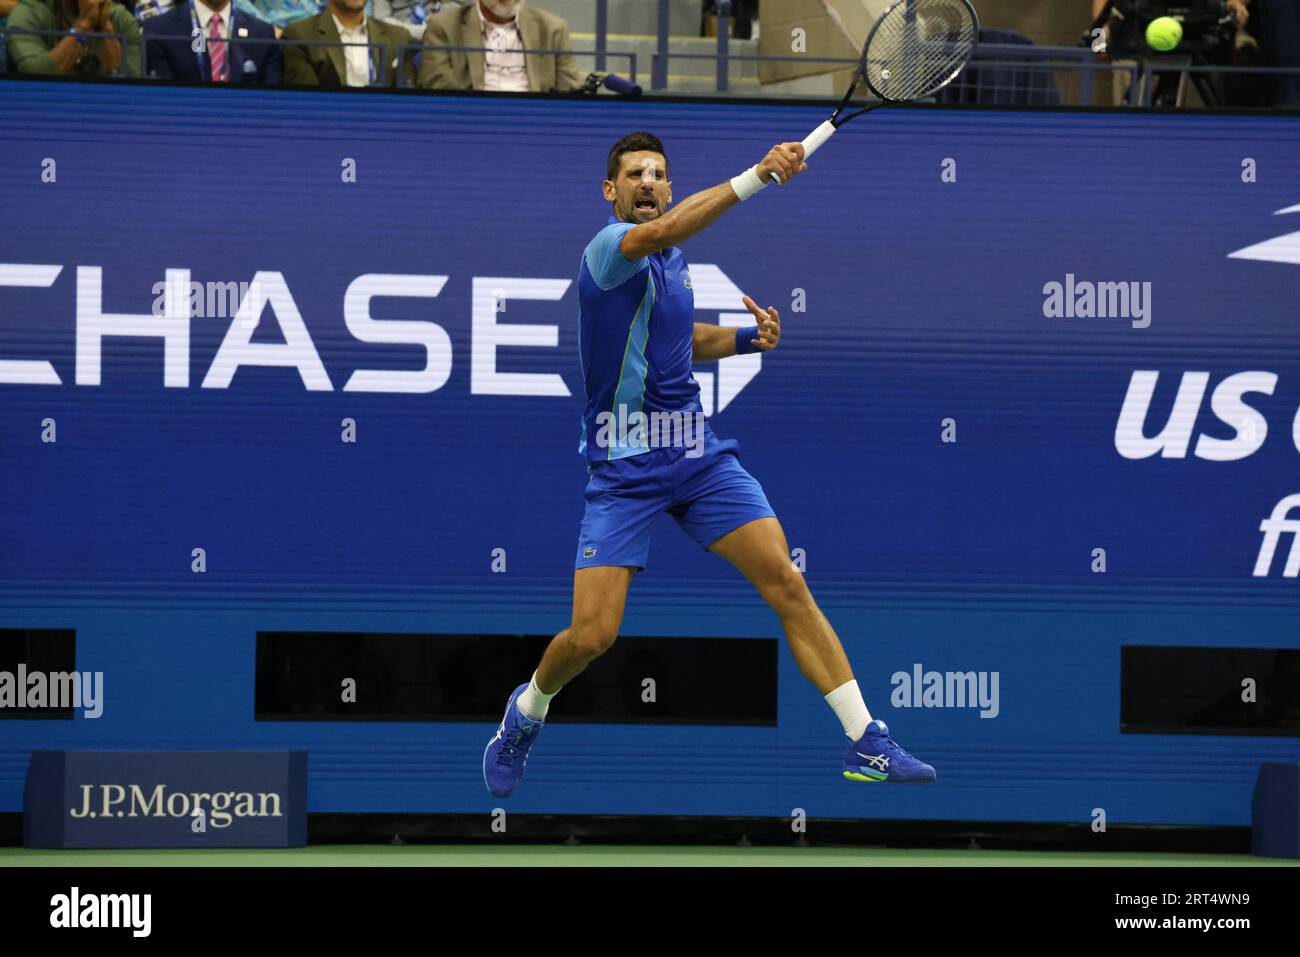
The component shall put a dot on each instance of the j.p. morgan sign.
(166, 799)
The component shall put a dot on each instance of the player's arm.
(718, 342)
(698, 210)
(712, 342)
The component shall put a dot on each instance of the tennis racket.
(913, 51)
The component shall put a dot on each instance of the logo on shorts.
(589, 551)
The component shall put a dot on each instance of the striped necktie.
(217, 47)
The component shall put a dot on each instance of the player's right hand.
(783, 159)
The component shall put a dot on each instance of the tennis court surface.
(560, 855)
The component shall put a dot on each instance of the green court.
(560, 855)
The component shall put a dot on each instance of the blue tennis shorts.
(709, 495)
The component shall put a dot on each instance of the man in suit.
(503, 28)
(356, 65)
(223, 59)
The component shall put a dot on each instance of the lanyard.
(201, 56)
(370, 54)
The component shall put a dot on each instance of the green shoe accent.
(854, 776)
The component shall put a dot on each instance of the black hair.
(633, 143)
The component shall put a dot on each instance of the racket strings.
(925, 71)
(910, 66)
(918, 47)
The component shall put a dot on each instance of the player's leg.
(599, 597)
(613, 543)
(723, 508)
(759, 550)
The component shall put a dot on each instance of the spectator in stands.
(6, 8)
(280, 13)
(502, 29)
(1279, 41)
(743, 14)
(73, 52)
(355, 65)
(171, 55)
(147, 9)
(411, 15)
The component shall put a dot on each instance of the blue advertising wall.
(907, 299)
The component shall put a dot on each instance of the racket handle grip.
(812, 143)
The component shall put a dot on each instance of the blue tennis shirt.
(636, 321)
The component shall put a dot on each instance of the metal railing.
(1188, 74)
(602, 34)
(1009, 74)
(1027, 75)
(990, 55)
(1079, 57)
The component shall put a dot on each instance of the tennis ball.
(1164, 33)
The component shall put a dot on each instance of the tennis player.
(637, 340)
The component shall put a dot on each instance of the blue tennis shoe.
(507, 752)
(877, 757)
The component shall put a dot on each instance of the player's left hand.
(769, 325)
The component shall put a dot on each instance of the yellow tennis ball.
(1164, 33)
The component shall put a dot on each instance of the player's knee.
(591, 638)
(787, 592)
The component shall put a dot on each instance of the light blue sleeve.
(605, 260)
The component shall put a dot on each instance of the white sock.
(846, 700)
(534, 703)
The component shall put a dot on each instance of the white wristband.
(748, 183)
